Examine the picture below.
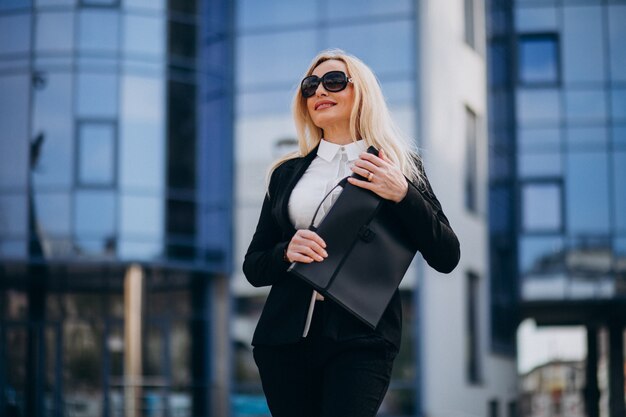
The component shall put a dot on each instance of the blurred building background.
(134, 141)
(557, 135)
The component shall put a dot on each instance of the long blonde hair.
(370, 119)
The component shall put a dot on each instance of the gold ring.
(370, 176)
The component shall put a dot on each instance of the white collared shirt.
(332, 163)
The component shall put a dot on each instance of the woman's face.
(328, 110)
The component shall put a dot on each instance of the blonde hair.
(370, 119)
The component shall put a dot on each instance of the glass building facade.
(115, 150)
(557, 75)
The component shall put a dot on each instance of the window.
(96, 154)
(494, 409)
(541, 207)
(471, 164)
(470, 30)
(538, 59)
(473, 365)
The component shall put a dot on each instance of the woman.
(315, 358)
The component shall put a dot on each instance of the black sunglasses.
(332, 81)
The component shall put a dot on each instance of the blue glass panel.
(539, 254)
(144, 35)
(97, 95)
(617, 36)
(582, 44)
(13, 215)
(53, 119)
(587, 138)
(15, 33)
(371, 43)
(53, 212)
(99, 2)
(13, 248)
(542, 164)
(619, 136)
(587, 193)
(618, 103)
(14, 4)
(340, 10)
(277, 101)
(290, 52)
(14, 133)
(145, 4)
(55, 32)
(55, 2)
(499, 210)
(585, 105)
(538, 62)
(529, 19)
(398, 92)
(96, 158)
(98, 30)
(142, 217)
(94, 215)
(539, 140)
(255, 14)
(142, 133)
(133, 250)
(541, 207)
(538, 106)
(619, 190)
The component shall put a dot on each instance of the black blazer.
(283, 318)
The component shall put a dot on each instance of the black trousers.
(320, 377)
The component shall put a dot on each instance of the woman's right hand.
(306, 246)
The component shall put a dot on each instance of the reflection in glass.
(585, 105)
(277, 101)
(13, 215)
(619, 248)
(55, 2)
(255, 14)
(14, 4)
(145, 4)
(53, 210)
(539, 164)
(617, 34)
(142, 133)
(539, 139)
(541, 255)
(98, 30)
(371, 43)
(538, 62)
(97, 95)
(619, 190)
(15, 34)
(618, 103)
(541, 207)
(339, 10)
(141, 217)
(284, 69)
(583, 45)
(94, 214)
(587, 193)
(55, 32)
(538, 106)
(535, 19)
(586, 138)
(15, 362)
(53, 119)
(14, 122)
(96, 153)
(144, 35)
(82, 364)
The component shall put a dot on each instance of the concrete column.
(591, 392)
(133, 306)
(616, 370)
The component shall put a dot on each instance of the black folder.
(367, 255)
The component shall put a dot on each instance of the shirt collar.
(328, 150)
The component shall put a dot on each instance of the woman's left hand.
(384, 177)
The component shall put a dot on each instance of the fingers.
(306, 246)
(363, 184)
(368, 166)
(373, 159)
